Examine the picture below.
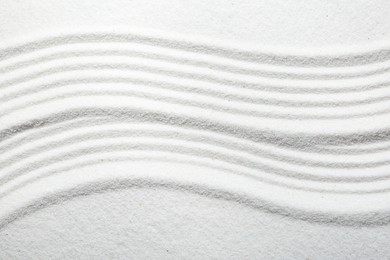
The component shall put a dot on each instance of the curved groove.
(97, 121)
(233, 146)
(285, 140)
(166, 158)
(192, 103)
(186, 89)
(186, 103)
(367, 219)
(210, 78)
(272, 137)
(199, 153)
(356, 150)
(199, 62)
(179, 149)
(214, 48)
(105, 120)
(9, 144)
(101, 160)
(200, 78)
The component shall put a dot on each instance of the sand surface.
(194, 130)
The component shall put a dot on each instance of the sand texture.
(138, 142)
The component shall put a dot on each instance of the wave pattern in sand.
(312, 129)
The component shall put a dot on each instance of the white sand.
(193, 130)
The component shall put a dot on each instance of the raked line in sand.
(273, 118)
